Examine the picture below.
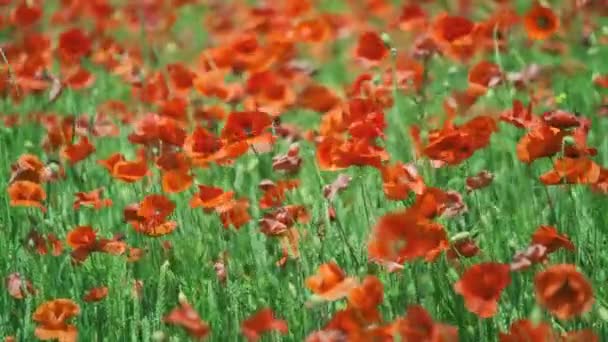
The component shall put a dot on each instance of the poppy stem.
(351, 250)
(11, 74)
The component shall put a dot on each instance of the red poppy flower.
(418, 325)
(26, 14)
(52, 317)
(330, 283)
(540, 22)
(150, 216)
(366, 297)
(235, 213)
(525, 331)
(481, 286)
(485, 75)
(572, 171)
(181, 78)
(26, 194)
(540, 141)
(466, 248)
(210, 197)
(261, 322)
(454, 144)
(404, 236)
(274, 193)
(74, 44)
(549, 237)
(532, 255)
(479, 181)
(318, 98)
(91, 199)
(18, 287)
(27, 168)
(186, 317)
(78, 151)
(124, 170)
(519, 116)
(37, 243)
(564, 291)
(96, 294)
(412, 18)
(454, 34)
(371, 48)
(399, 179)
(82, 237)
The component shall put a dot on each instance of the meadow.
(304, 170)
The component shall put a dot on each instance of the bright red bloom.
(261, 322)
(481, 286)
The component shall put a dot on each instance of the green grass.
(502, 216)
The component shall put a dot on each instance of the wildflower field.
(304, 170)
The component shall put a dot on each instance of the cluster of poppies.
(229, 99)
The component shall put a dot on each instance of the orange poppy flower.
(18, 287)
(454, 144)
(186, 317)
(235, 213)
(481, 286)
(572, 171)
(128, 171)
(96, 294)
(150, 216)
(78, 151)
(318, 98)
(370, 48)
(399, 179)
(26, 194)
(404, 236)
(28, 167)
(412, 18)
(82, 237)
(261, 322)
(210, 197)
(366, 298)
(564, 291)
(523, 331)
(540, 22)
(519, 116)
(245, 125)
(176, 181)
(540, 141)
(485, 75)
(330, 283)
(79, 78)
(52, 317)
(274, 193)
(454, 35)
(91, 199)
(549, 237)
(418, 325)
